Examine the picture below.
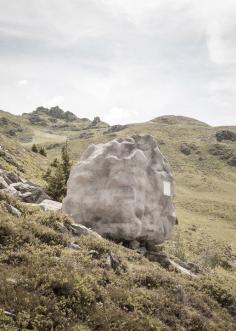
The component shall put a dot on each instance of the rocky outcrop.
(6, 156)
(225, 135)
(123, 190)
(12, 184)
(56, 112)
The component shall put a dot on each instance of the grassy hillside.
(45, 285)
(205, 182)
(15, 157)
(152, 300)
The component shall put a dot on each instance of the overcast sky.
(122, 60)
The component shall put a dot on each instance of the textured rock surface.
(48, 205)
(123, 189)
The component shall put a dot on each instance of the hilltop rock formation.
(123, 190)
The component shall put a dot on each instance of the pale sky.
(123, 60)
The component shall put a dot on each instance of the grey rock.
(61, 227)
(10, 190)
(96, 120)
(79, 230)
(181, 269)
(12, 210)
(21, 187)
(93, 253)
(3, 183)
(142, 250)
(113, 261)
(134, 244)
(232, 161)
(232, 309)
(185, 149)
(11, 177)
(160, 257)
(193, 267)
(50, 205)
(115, 128)
(34, 194)
(25, 195)
(226, 135)
(73, 246)
(123, 190)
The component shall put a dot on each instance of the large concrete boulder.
(123, 190)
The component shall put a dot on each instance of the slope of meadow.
(58, 288)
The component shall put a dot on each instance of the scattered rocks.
(35, 119)
(224, 152)
(26, 191)
(50, 205)
(13, 177)
(225, 135)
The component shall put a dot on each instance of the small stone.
(10, 190)
(3, 183)
(61, 227)
(112, 261)
(232, 309)
(25, 195)
(8, 313)
(79, 230)
(151, 246)
(142, 250)
(12, 210)
(73, 246)
(93, 253)
(134, 244)
(194, 267)
(13, 177)
(50, 205)
(185, 149)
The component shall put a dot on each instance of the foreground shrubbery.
(47, 286)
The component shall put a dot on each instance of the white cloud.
(22, 82)
(119, 115)
(122, 60)
(55, 101)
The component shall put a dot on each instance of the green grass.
(50, 287)
(142, 296)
